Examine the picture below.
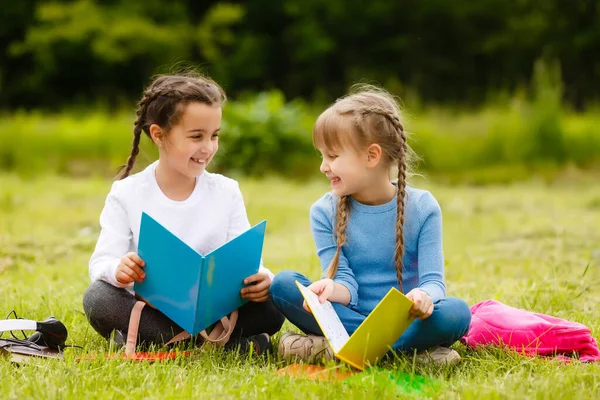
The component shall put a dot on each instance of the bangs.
(331, 131)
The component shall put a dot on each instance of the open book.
(192, 289)
(373, 338)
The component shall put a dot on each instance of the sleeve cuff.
(112, 278)
(434, 292)
(353, 294)
(267, 271)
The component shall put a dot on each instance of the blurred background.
(493, 91)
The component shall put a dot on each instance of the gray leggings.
(108, 308)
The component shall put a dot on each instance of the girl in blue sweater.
(372, 234)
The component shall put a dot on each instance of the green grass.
(527, 245)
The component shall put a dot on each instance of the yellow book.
(373, 338)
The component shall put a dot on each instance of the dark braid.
(341, 218)
(138, 127)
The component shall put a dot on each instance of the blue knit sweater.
(367, 265)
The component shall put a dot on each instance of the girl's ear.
(156, 133)
(374, 154)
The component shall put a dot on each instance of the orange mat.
(316, 372)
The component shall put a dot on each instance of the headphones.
(50, 332)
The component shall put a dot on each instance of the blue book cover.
(192, 289)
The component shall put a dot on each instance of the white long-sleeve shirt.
(212, 215)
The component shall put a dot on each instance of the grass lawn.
(527, 245)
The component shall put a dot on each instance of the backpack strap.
(222, 330)
(134, 325)
(219, 335)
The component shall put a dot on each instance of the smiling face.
(344, 155)
(192, 142)
(346, 169)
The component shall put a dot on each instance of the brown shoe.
(439, 355)
(305, 347)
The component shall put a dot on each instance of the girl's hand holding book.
(130, 269)
(423, 305)
(324, 288)
(258, 287)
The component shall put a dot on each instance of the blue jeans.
(448, 323)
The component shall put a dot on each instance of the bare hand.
(130, 269)
(423, 305)
(324, 288)
(258, 287)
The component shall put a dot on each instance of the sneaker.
(439, 355)
(117, 340)
(304, 347)
(258, 344)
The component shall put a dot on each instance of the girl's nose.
(205, 149)
(324, 166)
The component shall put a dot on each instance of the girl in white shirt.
(182, 115)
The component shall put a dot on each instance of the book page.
(173, 294)
(379, 331)
(327, 318)
(223, 274)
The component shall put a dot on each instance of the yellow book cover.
(373, 338)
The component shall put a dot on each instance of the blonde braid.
(402, 167)
(342, 216)
(401, 155)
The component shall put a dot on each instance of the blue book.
(192, 289)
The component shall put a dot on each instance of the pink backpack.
(495, 323)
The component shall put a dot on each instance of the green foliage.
(67, 52)
(510, 143)
(214, 33)
(113, 35)
(547, 142)
(504, 143)
(261, 135)
(264, 135)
